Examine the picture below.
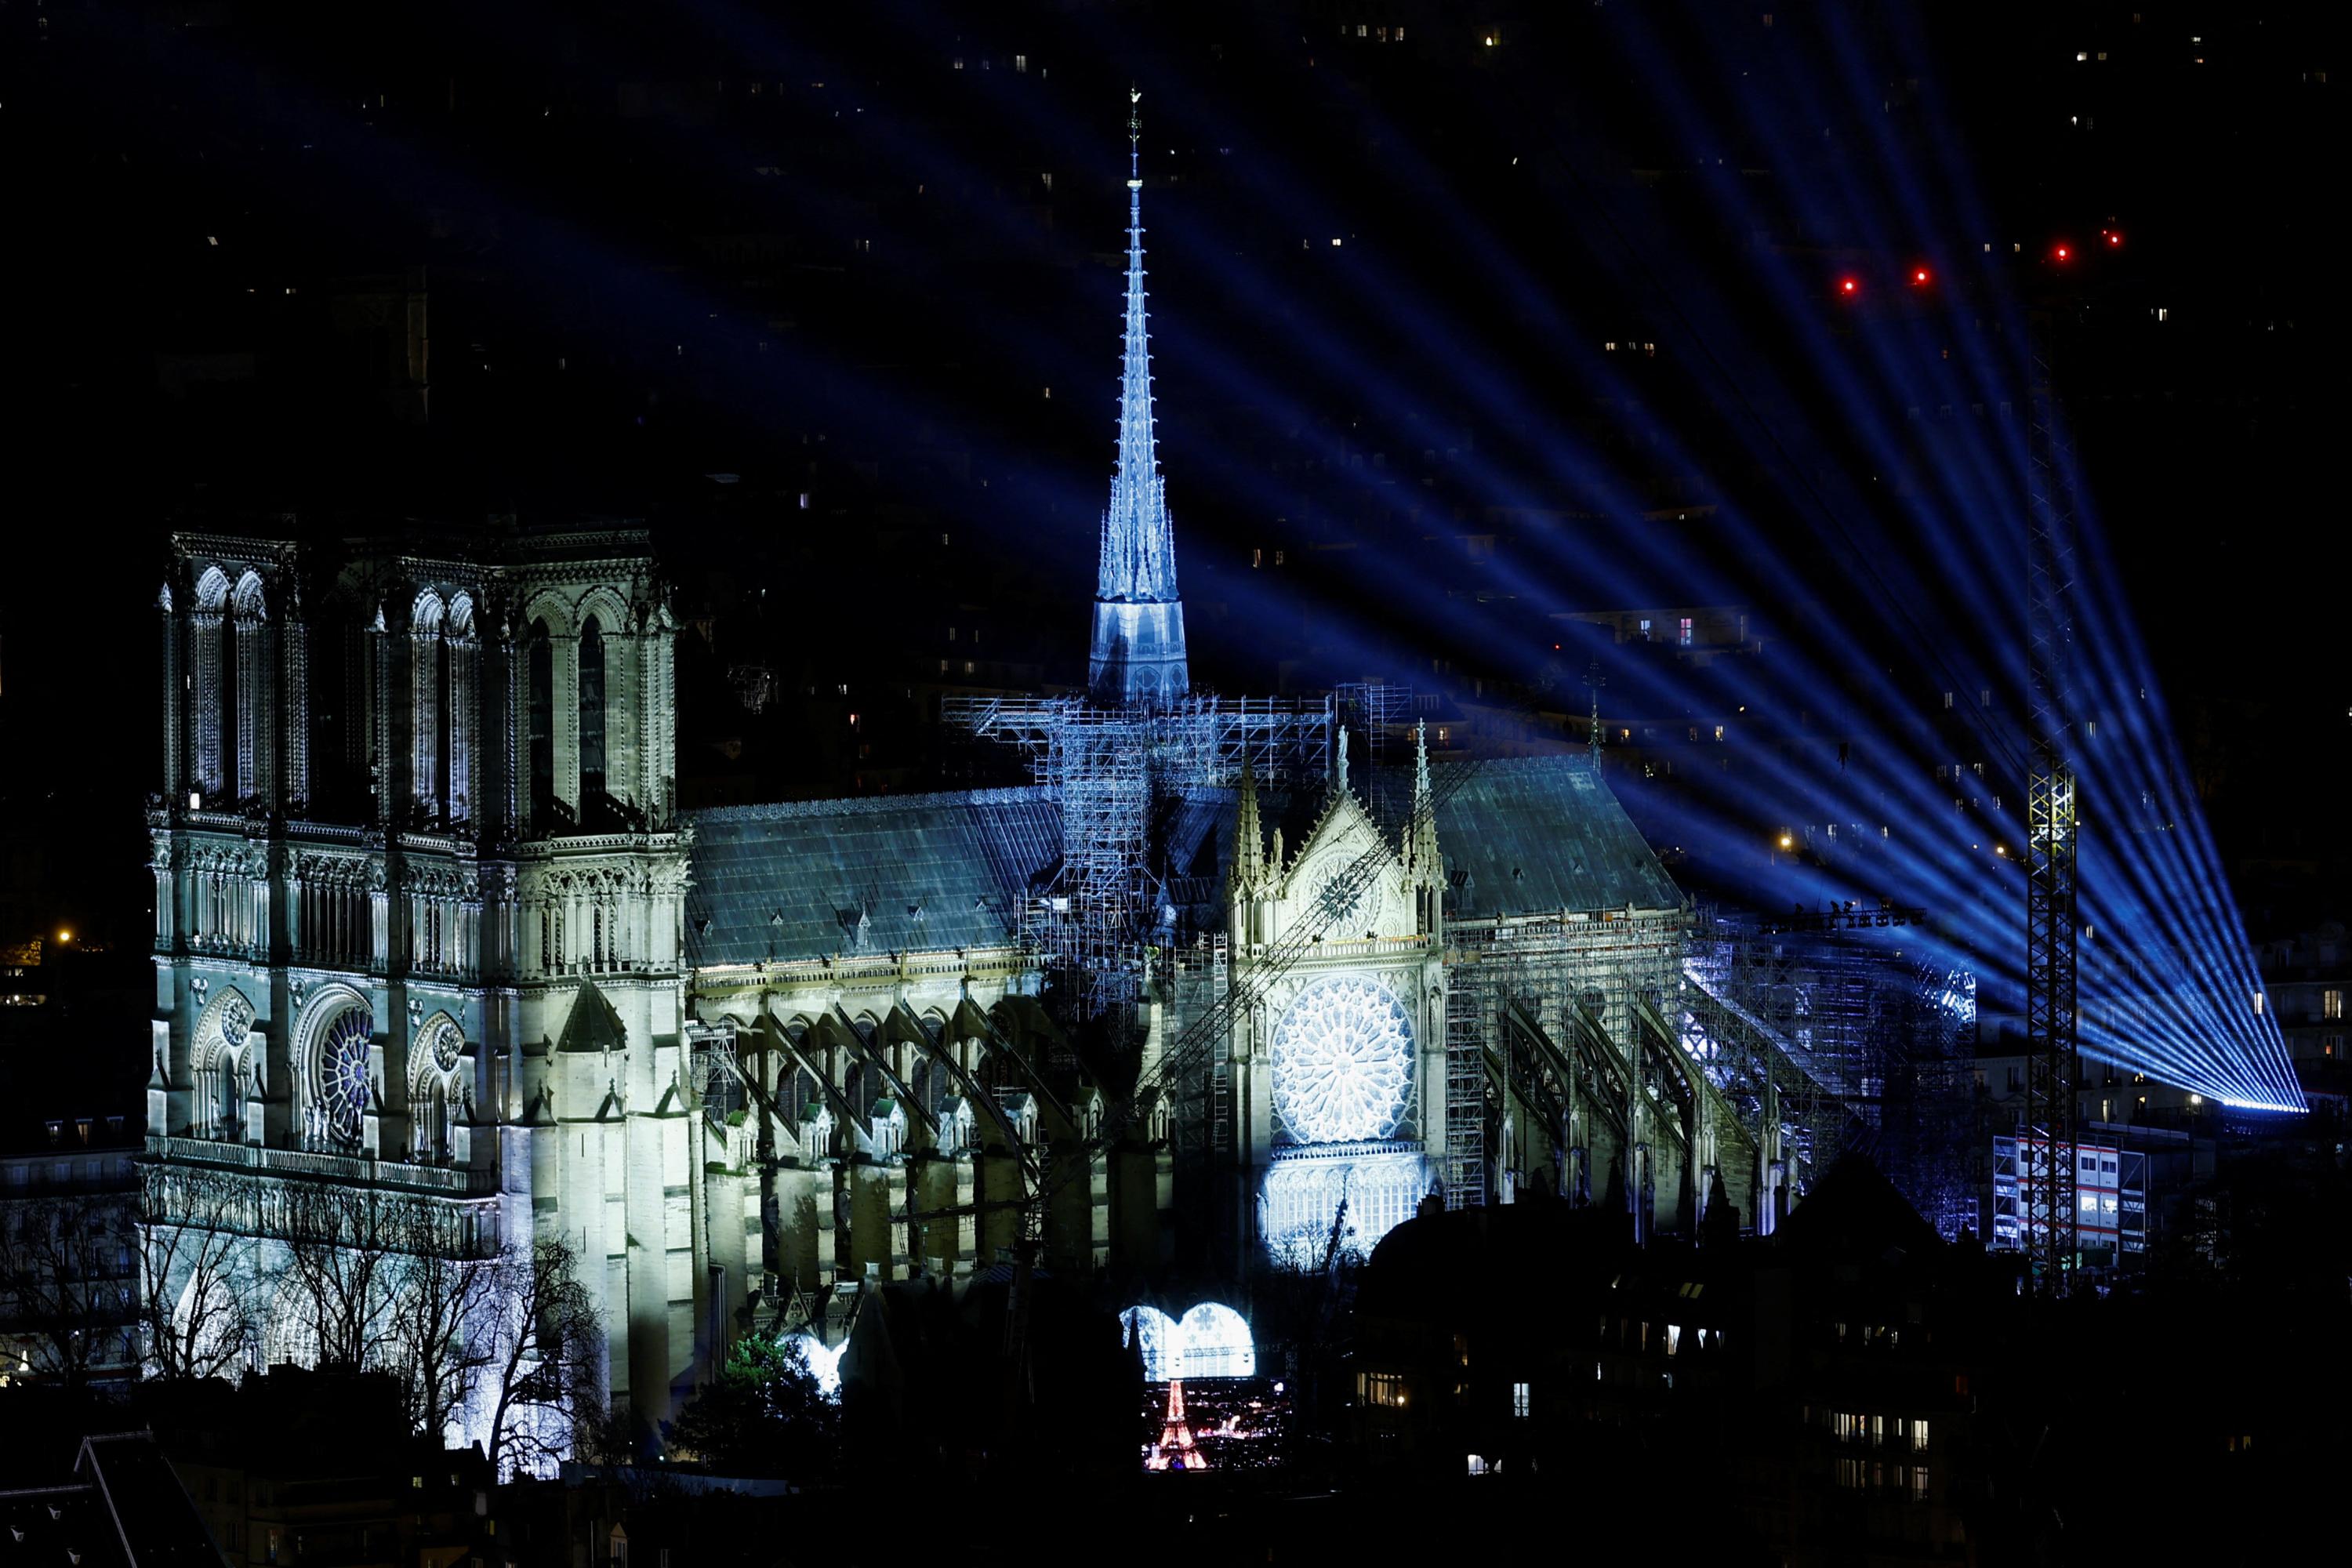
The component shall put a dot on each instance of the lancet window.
(591, 712)
(540, 662)
(230, 684)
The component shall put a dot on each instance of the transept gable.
(1343, 835)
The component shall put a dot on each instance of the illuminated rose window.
(1343, 1061)
(343, 1074)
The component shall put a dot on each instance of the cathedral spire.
(1138, 633)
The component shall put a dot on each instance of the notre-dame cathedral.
(429, 922)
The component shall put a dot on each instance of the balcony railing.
(454, 1180)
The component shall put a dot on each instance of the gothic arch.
(427, 613)
(607, 608)
(553, 610)
(435, 1052)
(802, 1031)
(289, 1334)
(212, 1047)
(435, 1088)
(212, 590)
(221, 1068)
(249, 602)
(335, 1097)
(461, 615)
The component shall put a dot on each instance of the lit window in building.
(1381, 1389)
(1682, 632)
(1645, 631)
(1520, 1401)
(2258, 1004)
(2331, 1004)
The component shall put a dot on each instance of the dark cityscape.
(1248, 782)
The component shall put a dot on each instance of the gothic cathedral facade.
(418, 881)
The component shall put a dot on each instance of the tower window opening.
(591, 711)
(542, 680)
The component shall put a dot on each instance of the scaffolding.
(1833, 1040)
(1115, 771)
(1380, 714)
(1552, 1010)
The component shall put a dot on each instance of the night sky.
(846, 253)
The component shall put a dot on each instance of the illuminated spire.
(1138, 553)
(1139, 641)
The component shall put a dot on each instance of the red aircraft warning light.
(2064, 252)
(1849, 286)
(1919, 277)
(2113, 237)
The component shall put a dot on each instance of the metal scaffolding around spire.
(1138, 654)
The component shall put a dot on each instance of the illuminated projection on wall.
(1303, 1191)
(1343, 1061)
(1210, 1340)
(823, 1363)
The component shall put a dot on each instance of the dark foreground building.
(1824, 1380)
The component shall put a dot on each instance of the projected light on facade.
(1343, 1082)
(823, 1363)
(1343, 1061)
(1300, 1201)
(1210, 1340)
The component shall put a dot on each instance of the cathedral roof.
(913, 873)
(873, 874)
(1535, 835)
(1521, 836)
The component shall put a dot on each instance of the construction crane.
(2052, 1062)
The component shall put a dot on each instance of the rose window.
(449, 1045)
(343, 1074)
(235, 1023)
(1343, 1061)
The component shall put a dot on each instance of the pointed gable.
(593, 1024)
